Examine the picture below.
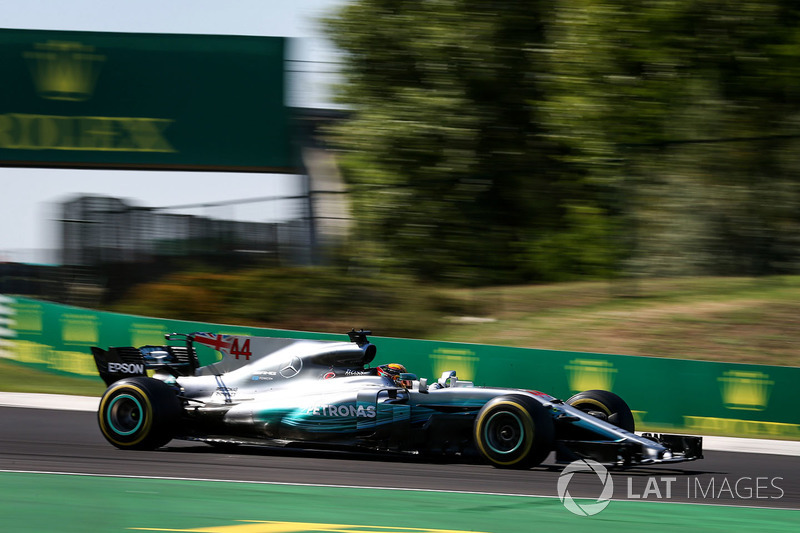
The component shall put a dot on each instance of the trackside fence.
(680, 395)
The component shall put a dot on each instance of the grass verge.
(742, 320)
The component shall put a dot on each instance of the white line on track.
(59, 402)
(88, 403)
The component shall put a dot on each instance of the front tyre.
(605, 405)
(513, 431)
(139, 413)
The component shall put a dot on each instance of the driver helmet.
(393, 371)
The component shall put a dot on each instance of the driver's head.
(393, 371)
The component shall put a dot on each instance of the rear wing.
(122, 362)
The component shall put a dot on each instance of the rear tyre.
(513, 431)
(139, 413)
(606, 406)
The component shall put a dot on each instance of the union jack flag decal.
(221, 343)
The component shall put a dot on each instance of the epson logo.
(126, 368)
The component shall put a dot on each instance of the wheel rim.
(504, 432)
(125, 415)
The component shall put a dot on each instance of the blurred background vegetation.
(313, 299)
(505, 141)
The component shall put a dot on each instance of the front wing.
(656, 448)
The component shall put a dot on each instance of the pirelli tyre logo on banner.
(84, 99)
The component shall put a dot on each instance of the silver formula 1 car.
(273, 391)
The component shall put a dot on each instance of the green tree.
(631, 81)
(505, 140)
(455, 176)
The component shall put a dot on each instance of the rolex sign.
(121, 100)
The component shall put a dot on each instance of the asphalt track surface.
(39, 440)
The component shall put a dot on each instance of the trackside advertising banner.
(665, 394)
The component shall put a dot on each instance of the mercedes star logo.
(291, 367)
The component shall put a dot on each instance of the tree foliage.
(504, 140)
